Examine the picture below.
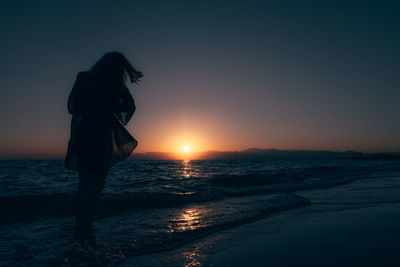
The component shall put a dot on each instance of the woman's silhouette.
(99, 102)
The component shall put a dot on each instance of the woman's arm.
(125, 107)
(73, 99)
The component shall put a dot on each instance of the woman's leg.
(89, 189)
(80, 203)
(96, 185)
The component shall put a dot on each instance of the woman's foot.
(85, 239)
(91, 241)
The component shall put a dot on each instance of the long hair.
(114, 67)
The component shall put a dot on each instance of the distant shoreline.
(248, 154)
(267, 154)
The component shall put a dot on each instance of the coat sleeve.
(125, 107)
(73, 99)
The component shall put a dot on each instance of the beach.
(358, 234)
(207, 213)
(362, 237)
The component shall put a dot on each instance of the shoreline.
(342, 227)
(361, 237)
(367, 236)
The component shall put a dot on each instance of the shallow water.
(150, 206)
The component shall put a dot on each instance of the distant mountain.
(253, 154)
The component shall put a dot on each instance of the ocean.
(149, 206)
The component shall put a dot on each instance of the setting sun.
(186, 148)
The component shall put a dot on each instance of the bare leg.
(80, 203)
(89, 189)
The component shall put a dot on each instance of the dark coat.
(98, 139)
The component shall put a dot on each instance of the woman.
(99, 102)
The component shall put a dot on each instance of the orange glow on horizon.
(185, 144)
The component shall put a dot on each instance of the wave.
(179, 226)
(235, 214)
(283, 176)
(18, 208)
(22, 207)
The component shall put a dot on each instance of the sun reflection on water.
(188, 220)
(192, 258)
(186, 169)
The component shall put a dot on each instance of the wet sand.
(354, 237)
(357, 224)
(362, 237)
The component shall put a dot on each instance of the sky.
(218, 75)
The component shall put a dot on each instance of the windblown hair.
(114, 67)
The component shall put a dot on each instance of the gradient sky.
(218, 75)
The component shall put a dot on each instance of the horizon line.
(183, 155)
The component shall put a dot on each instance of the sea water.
(149, 206)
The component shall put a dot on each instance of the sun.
(186, 148)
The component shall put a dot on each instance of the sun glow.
(185, 145)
